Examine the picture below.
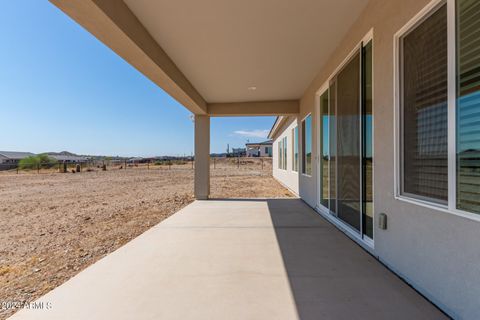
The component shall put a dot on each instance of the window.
(424, 109)
(295, 149)
(439, 101)
(280, 154)
(468, 105)
(307, 145)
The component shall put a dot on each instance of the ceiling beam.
(114, 24)
(255, 108)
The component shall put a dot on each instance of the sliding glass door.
(348, 143)
(324, 151)
(345, 166)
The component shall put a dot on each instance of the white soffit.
(224, 46)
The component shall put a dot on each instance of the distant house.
(238, 152)
(261, 149)
(10, 159)
(67, 157)
(13, 157)
(137, 160)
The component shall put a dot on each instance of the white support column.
(202, 157)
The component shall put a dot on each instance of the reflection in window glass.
(307, 145)
(284, 144)
(324, 148)
(280, 154)
(367, 141)
(348, 146)
(332, 132)
(468, 105)
(295, 149)
(424, 103)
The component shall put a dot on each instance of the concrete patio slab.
(237, 259)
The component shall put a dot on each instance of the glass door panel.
(367, 145)
(349, 157)
(332, 205)
(324, 151)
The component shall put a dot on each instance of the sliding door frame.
(318, 133)
(360, 236)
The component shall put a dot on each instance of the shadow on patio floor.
(331, 277)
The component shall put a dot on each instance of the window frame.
(295, 162)
(303, 144)
(280, 153)
(420, 17)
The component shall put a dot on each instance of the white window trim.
(423, 14)
(303, 154)
(295, 170)
(282, 146)
(324, 88)
(280, 153)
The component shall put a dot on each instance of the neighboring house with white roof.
(260, 149)
(68, 158)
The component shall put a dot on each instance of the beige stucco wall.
(288, 178)
(437, 252)
(202, 157)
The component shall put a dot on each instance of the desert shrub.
(34, 162)
(31, 162)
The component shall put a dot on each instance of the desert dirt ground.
(53, 225)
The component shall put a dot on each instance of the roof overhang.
(220, 57)
(279, 121)
(113, 23)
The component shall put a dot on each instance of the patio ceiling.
(219, 54)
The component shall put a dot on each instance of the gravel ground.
(54, 225)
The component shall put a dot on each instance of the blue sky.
(61, 89)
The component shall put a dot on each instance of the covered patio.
(237, 259)
(278, 259)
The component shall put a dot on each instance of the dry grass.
(54, 225)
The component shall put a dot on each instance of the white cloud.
(252, 133)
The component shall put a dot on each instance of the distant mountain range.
(71, 154)
(62, 153)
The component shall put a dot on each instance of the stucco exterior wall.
(437, 252)
(288, 178)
